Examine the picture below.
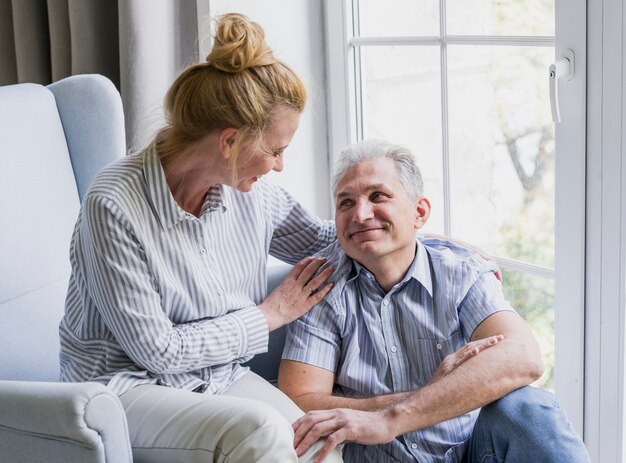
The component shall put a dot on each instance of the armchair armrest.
(62, 422)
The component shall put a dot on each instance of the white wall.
(294, 29)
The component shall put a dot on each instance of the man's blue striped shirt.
(382, 343)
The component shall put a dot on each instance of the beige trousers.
(251, 423)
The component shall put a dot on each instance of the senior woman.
(167, 294)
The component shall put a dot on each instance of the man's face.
(375, 217)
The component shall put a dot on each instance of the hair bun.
(239, 44)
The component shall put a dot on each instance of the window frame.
(605, 227)
(570, 233)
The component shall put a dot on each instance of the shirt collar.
(216, 200)
(166, 207)
(419, 270)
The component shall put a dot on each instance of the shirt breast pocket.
(448, 345)
(430, 353)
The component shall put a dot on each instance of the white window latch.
(562, 69)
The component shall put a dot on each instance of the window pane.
(398, 17)
(402, 105)
(502, 151)
(533, 298)
(500, 17)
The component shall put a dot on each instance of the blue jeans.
(525, 426)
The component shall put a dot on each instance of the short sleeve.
(315, 338)
(484, 298)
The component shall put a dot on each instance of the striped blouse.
(160, 296)
(381, 343)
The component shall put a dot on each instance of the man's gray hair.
(408, 172)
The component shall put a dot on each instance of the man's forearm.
(487, 377)
(320, 401)
(477, 382)
(455, 389)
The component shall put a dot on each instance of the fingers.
(304, 274)
(303, 425)
(317, 282)
(468, 351)
(315, 426)
(474, 348)
(485, 343)
(311, 427)
(340, 425)
(320, 294)
(331, 443)
(305, 268)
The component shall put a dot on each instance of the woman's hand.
(297, 294)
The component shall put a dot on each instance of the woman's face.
(256, 161)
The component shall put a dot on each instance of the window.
(463, 83)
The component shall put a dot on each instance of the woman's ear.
(227, 141)
(422, 212)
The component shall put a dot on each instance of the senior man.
(414, 338)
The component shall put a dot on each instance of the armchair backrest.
(53, 140)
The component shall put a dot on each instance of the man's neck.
(390, 270)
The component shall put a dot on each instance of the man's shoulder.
(450, 255)
(335, 257)
(455, 270)
(342, 264)
(332, 252)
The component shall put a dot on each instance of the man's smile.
(366, 231)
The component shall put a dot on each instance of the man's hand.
(469, 350)
(341, 425)
(297, 294)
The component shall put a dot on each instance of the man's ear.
(422, 212)
(227, 141)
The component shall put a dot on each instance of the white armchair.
(54, 140)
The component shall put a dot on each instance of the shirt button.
(413, 445)
(203, 251)
(385, 302)
(439, 346)
(394, 349)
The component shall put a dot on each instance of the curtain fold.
(60, 39)
(94, 37)
(154, 47)
(140, 45)
(8, 63)
(32, 42)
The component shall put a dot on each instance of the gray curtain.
(140, 45)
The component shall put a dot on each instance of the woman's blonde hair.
(241, 85)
